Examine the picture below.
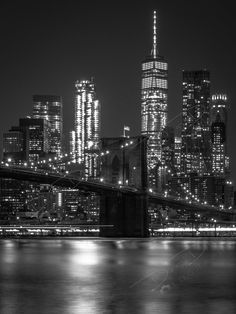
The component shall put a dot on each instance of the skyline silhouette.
(46, 47)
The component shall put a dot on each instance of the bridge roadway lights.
(126, 212)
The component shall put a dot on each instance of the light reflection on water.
(68, 276)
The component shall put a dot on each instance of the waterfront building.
(75, 206)
(68, 204)
(196, 149)
(228, 194)
(87, 127)
(13, 199)
(154, 108)
(49, 107)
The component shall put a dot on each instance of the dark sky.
(47, 45)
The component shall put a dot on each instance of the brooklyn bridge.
(123, 207)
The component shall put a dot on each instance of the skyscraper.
(177, 154)
(168, 147)
(50, 108)
(196, 150)
(13, 146)
(220, 160)
(36, 135)
(27, 142)
(154, 107)
(87, 127)
(72, 144)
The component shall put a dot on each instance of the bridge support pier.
(126, 214)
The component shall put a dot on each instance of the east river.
(72, 276)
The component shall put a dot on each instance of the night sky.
(47, 45)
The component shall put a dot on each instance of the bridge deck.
(68, 181)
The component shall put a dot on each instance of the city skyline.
(119, 107)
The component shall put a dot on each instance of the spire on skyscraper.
(154, 49)
(154, 96)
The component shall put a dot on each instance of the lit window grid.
(87, 125)
(153, 82)
(154, 65)
(153, 116)
(12, 142)
(196, 105)
(52, 112)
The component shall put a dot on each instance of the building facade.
(87, 127)
(50, 107)
(219, 117)
(13, 146)
(72, 145)
(22, 144)
(36, 138)
(220, 159)
(154, 108)
(196, 152)
(29, 141)
(177, 154)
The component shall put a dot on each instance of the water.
(68, 276)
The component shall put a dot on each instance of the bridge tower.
(125, 166)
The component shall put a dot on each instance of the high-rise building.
(177, 154)
(27, 142)
(36, 136)
(12, 198)
(167, 157)
(154, 108)
(21, 144)
(49, 107)
(72, 144)
(220, 160)
(223, 194)
(196, 150)
(87, 127)
(168, 145)
(13, 146)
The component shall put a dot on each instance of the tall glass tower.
(87, 127)
(49, 107)
(154, 108)
(219, 113)
(196, 148)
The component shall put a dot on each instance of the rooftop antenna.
(154, 35)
